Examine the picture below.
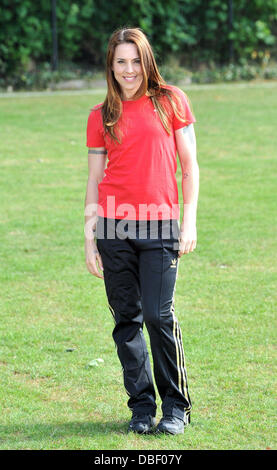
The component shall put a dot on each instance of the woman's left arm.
(186, 148)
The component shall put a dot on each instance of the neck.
(128, 96)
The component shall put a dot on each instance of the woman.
(132, 223)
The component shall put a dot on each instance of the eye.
(137, 61)
(120, 61)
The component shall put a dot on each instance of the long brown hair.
(152, 82)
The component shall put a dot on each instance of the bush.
(233, 73)
(194, 31)
(42, 76)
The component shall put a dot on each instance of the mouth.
(130, 79)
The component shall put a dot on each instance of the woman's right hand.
(93, 259)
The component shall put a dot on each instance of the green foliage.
(177, 75)
(26, 34)
(255, 26)
(43, 76)
(164, 23)
(195, 31)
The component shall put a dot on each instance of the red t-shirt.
(140, 178)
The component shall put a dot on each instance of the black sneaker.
(171, 425)
(142, 423)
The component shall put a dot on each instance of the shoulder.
(183, 106)
(96, 108)
(95, 114)
(176, 91)
(178, 96)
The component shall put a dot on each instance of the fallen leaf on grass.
(95, 362)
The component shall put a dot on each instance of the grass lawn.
(54, 314)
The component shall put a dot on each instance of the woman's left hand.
(187, 239)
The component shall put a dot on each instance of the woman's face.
(127, 69)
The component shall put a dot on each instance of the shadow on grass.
(40, 431)
(14, 434)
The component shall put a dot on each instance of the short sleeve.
(184, 111)
(95, 133)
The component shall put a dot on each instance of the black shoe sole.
(166, 431)
(150, 430)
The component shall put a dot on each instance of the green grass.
(225, 293)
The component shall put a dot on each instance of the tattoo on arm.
(92, 151)
(185, 175)
(189, 131)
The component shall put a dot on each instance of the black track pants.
(140, 274)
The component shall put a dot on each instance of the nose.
(129, 67)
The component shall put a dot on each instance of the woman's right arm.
(96, 165)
